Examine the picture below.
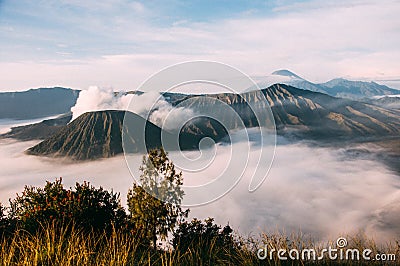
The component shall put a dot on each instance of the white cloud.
(320, 191)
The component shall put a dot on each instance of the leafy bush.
(2, 215)
(55, 215)
(207, 240)
(85, 206)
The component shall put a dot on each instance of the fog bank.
(320, 191)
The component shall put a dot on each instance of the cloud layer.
(320, 191)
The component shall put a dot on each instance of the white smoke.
(97, 99)
(170, 118)
(150, 105)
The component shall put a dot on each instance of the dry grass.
(67, 245)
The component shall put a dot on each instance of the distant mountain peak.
(347, 82)
(286, 73)
(340, 79)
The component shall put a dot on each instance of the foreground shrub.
(61, 241)
(86, 206)
(6, 225)
(206, 242)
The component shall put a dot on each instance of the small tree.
(154, 205)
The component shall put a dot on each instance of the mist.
(7, 124)
(18, 169)
(322, 192)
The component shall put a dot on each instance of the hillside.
(315, 115)
(387, 102)
(357, 89)
(36, 103)
(97, 135)
(41, 130)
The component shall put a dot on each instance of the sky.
(120, 43)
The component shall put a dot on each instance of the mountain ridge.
(315, 111)
(338, 87)
(37, 103)
(313, 115)
(286, 73)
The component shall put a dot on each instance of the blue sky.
(41, 30)
(119, 43)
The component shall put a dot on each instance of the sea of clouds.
(318, 191)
